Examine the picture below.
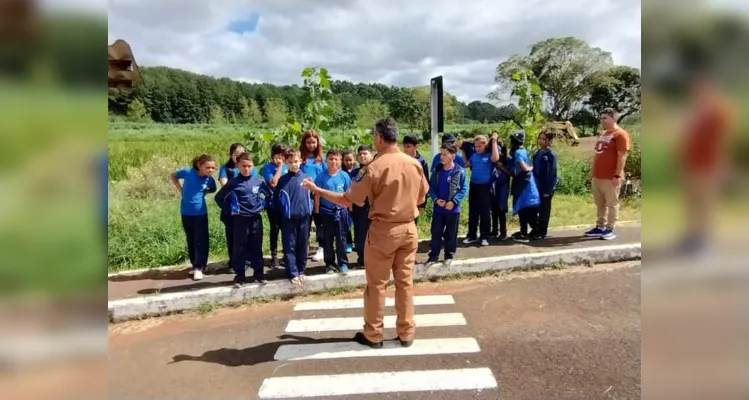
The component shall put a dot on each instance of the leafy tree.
(527, 90)
(255, 115)
(617, 87)
(217, 115)
(319, 111)
(249, 112)
(136, 111)
(562, 66)
(275, 111)
(585, 121)
(368, 112)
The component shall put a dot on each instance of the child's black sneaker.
(239, 282)
(430, 262)
(521, 238)
(405, 343)
(502, 237)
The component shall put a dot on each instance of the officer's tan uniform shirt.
(395, 185)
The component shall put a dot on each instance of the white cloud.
(390, 41)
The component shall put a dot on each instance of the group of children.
(291, 209)
(496, 173)
(276, 189)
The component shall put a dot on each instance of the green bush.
(574, 176)
(633, 168)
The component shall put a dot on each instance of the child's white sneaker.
(197, 275)
(319, 256)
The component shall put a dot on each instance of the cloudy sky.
(395, 42)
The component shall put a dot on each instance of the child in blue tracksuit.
(500, 195)
(447, 188)
(226, 173)
(349, 166)
(448, 138)
(272, 173)
(197, 182)
(479, 192)
(335, 218)
(360, 214)
(242, 198)
(545, 174)
(525, 198)
(295, 204)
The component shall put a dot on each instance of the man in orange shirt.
(610, 157)
(703, 161)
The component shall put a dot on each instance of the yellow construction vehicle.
(563, 130)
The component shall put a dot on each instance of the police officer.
(395, 185)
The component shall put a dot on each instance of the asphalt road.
(562, 334)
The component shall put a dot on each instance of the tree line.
(176, 96)
(575, 81)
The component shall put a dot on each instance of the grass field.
(144, 221)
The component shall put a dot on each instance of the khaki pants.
(606, 196)
(389, 247)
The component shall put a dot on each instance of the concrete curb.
(423, 240)
(121, 310)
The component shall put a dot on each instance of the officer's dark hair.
(364, 147)
(450, 147)
(278, 148)
(411, 139)
(333, 152)
(387, 129)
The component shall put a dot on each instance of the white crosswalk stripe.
(368, 382)
(389, 348)
(356, 323)
(359, 303)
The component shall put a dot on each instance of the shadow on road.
(251, 355)
(552, 242)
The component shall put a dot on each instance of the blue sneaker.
(343, 269)
(330, 270)
(608, 234)
(595, 232)
(349, 249)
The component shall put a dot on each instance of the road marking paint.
(359, 303)
(321, 351)
(380, 382)
(356, 323)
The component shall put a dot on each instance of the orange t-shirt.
(607, 149)
(705, 137)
